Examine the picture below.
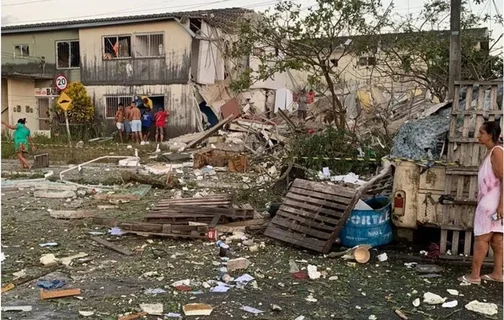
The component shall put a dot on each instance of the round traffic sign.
(61, 82)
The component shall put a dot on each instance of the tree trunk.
(339, 113)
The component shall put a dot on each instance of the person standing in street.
(127, 122)
(136, 124)
(302, 105)
(22, 137)
(488, 223)
(160, 118)
(146, 126)
(119, 118)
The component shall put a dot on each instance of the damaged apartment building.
(178, 60)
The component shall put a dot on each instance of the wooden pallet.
(463, 148)
(312, 215)
(184, 214)
(219, 200)
(165, 230)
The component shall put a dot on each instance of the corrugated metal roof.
(216, 17)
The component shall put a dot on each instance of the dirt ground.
(113, 284)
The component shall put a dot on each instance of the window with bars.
(68, 53)
(112, 104)
(149, 45)
(116, 47)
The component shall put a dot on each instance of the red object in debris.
(300, 275)
(311, 131)
(183, 288)
(231, 108)
(212, 235)
(311, 97)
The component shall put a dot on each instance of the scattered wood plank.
(134, 316)
(54, 195)
(312, 215)
(8, 287)
(210, 132)
(45, 295)
(112, 246)
(71, 214)
(161, 183)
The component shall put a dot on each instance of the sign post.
(65, 102)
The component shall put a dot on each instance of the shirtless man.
(136, 124)
(119, 118)
(127, 121)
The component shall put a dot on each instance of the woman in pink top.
(488, 226)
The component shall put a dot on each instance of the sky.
(37, 11)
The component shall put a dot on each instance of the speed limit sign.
(61, 82)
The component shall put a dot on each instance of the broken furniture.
(312, 215)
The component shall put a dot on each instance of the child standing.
(146, 126)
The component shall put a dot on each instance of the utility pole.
(455, 53)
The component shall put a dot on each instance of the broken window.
(334, 62)
(257, 52)
(117, 47)
(21, 50)
(367, 61)
(112, 104)
(149, 45)
(363, 61)
(68, 53)
(195, 25)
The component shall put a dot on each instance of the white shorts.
(136, 126)
(120, 126)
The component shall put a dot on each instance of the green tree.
(82, 109)
(419, 53)
(291, 38)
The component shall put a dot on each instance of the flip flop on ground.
(467, 280)
(487, 277)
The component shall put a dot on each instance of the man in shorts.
(146, 126)
(136, 124)
(127, 122)
(160, 118)
(119, 118)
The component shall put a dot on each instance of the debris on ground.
(431, 298)
(487, 309)
(154, 309)
(197, 309)
(44, 295)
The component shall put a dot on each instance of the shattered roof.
(215, 17)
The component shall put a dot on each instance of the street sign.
(61, 82)
(64, 101)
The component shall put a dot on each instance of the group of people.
(136, 124)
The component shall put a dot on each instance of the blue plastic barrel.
(372, 227)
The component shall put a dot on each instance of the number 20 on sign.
(61, 82)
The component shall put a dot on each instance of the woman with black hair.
(488, 227)
(21, 138)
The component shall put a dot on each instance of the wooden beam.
(112, 246)
(210, 132)
(44, 295)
